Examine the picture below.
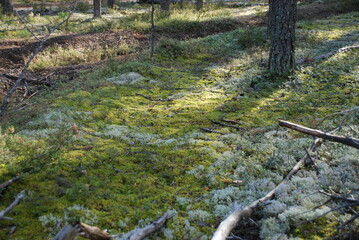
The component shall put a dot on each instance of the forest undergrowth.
(120, 146)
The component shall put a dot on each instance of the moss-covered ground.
(119, 147)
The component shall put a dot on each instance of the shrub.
(83, 6)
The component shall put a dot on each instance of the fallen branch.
(316, 133)
(327, 55)
(12, 77)
(211, 131)
(232, 220)
(8, 182)
(93, 233)
(153, 227)
(336, 196)
(153, 99)
(6, 99)
(70, 232)
(17, 200)
(226, 125)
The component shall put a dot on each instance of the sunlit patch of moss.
(323, 229)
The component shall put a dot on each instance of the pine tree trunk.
(110, 3)
(281, 27)
(7, 7)
(165, 6)
(96, 8)
(199, 4)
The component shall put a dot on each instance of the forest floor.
(131, 137)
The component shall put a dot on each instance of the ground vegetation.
(119, 138)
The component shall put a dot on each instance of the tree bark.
(7, 7)
(110, 3)
(281, 27)
(96, 8)
(199, 4)
(165, 6)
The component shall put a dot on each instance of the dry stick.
(316, 133)
(153, 227)
(68, 232)
(8, 182)
(6, 100)
(12, 77)
(226, 125)
(93, 233)
(338, 197)
(211, 131)
(17, 200)
(327, 55)
(26, 27)
(345, 112)
(231, 221)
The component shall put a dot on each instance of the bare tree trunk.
(165, 6)
(199, 4)
(110, 3)
(7, 7)
(152, 28)
(96, 8)
(281, 27)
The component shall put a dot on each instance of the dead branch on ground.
(69, 232)
(8, 182)
(226, 125)
(232, 220)
(40, 81)
(150, 229)
(327, 55)
(153, 99)
(316, 133)
(17, 200)
(211, 131)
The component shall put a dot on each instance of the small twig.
(349, 221)
(312, 161)
(339, 197)
(326, 213)
(12, 77)
(153, 99)
(211, 131)
(226, 125)
(17, 200)
(230, 121)
(8, 182)
(26, 27)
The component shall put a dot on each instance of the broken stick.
(17, 200)
(317, 133)
(8, 182)
(232, 220)
(153, 227)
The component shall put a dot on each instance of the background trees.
(281, 27)
(6, 5)
(96, 8)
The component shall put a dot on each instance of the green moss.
(126, 156)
